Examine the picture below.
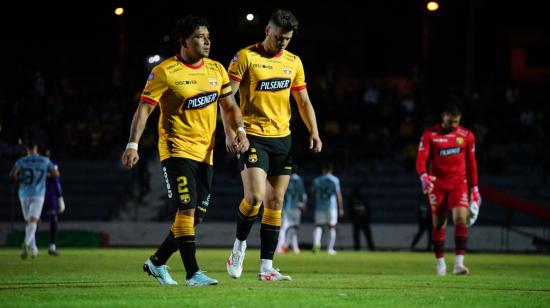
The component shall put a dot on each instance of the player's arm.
(421, 163)
(471, 170)
(130, 156)
(14, 173)
(302, 201)
(235, 141)
(307, 113)
(340, 202)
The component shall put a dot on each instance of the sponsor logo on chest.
(449, 151)
(201, 100)
(273, 84)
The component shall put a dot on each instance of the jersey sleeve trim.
(298, 88)
(147, 100)
(225, 95)
(235, 78)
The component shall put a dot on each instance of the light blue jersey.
(325, 188)
(295, 193)
(32, 175)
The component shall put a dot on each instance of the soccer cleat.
(53, 253)
(331, 252)
(282, 250)
(235, 264)
(159, 272)
(24, 251)
(460, 269)
(199, 279)
(441, 270)
(316, 248)
(273, 275)
(34, 252)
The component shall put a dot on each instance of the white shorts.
(31, 207)
(292, 217)
(329, 217)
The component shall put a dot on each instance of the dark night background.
(378, 74)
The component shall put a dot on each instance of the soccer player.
(328, 206)
(54, 204)
(30, 172)
(187, 87)
(450, 183)
(293, 206)
(265, 74)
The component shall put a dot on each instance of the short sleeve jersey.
(265, 85)
(187, 96)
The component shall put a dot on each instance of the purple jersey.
(53, 192)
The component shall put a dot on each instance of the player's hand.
(475, 196)
(236, 142)
(341, 213)
(427, 183)
(315, 144)
(473, 213)
(61, 205)
(130, 158)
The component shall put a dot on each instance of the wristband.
(240, 129)
(132, 145)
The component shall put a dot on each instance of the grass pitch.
(114, 277)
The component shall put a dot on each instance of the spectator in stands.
(187, 87)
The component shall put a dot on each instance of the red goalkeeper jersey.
(450, 155)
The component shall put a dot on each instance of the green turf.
(113, 277)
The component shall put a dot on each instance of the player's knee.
(250, 208)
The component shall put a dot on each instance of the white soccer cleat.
(441, 270)
(332, 252)
(235, 264)
(161, 273)
(273, 275)
(460, 269)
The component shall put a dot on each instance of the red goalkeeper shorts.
(447, 196)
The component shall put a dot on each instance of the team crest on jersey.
(252, 158)
(286, 70)
(185, 198)
(460, 140)
(212, 81)
(201, 100)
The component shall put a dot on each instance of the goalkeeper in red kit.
(450, 183)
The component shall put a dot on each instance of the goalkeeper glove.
(427, 184)
(475, 203)
(61, 204)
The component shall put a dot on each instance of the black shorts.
(188, 182)
(271, 154)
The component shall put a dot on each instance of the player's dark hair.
(453, 109)
(30, 142)
(284, 19)
(327, 167)
(186, 26)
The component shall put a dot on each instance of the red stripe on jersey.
(298, 88)
(195, 66)
(148, 100)
(234, 78)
